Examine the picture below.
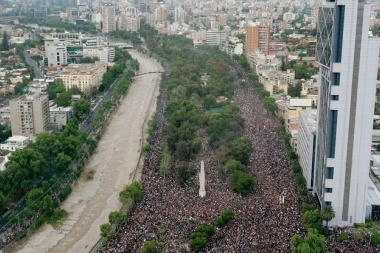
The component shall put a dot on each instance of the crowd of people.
(264, 221)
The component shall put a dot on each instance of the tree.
(198, 243)
(313, 243)
(206, 228)
(35, 199)
(242, 182)
(209, 101)
(132, 191)
(328, 214)
(240, 150)
(23, 170)
(81, 108)
(165, 163)
(233, 165)
(63, 99)
(283, 65)
(5, 42)
(312, 220)
(116, 217)
(295, 90)
(63, 162)
(2, 203)
(149, 247)
(106, 230)
(224, 218)
(270, 104)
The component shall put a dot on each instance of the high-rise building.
(348, 60)
(108, 18)
(30, 115)
(257, 38)
(307, 121)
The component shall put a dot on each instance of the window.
(335, 79)
(340, 25)
(327, 203)
(335, 97)
(328, 190)
(329, 173)
(334, 122)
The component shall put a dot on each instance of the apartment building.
(257, 38)
(30, 115)
(108, 18)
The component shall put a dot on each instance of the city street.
(114, 163)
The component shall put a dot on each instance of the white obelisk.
(202, 181)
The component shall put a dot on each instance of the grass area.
(57, 218)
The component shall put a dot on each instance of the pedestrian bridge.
(147, 73)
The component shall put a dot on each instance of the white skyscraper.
(348, 60)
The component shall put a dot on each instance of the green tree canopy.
(81, 108)
(2, 203)
(106, 230)
(242, 182)
(149, 247)
(312, 220)
(116, 217)
(313, 243)
(63, 99)
(240, 150)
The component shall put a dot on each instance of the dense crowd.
(264, 221)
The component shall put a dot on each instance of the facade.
(62, 49)
(15, 142)
(30, 115)
(55, 52)
(215, 37)
(83, 76)
(307, 121)
(108, 18)
(257, 38)
(129, 23)
(348, 60)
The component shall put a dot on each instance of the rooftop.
(310, 118)
(81, 69)
(17, 138)
(300, 102)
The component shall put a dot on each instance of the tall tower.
(108, 18)
(348, 60)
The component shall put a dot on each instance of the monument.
(202, 181)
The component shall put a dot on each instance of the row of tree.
(131, 194)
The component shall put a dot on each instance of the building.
(215, 37)
(128, 23)
(307, 121)
(108, 18)
(62, 49)
(257, 38)
(15, 142)
(348, 60)
(30, 115)
(55, 52)
(290, 109)
(83, 76)
(289, 16)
